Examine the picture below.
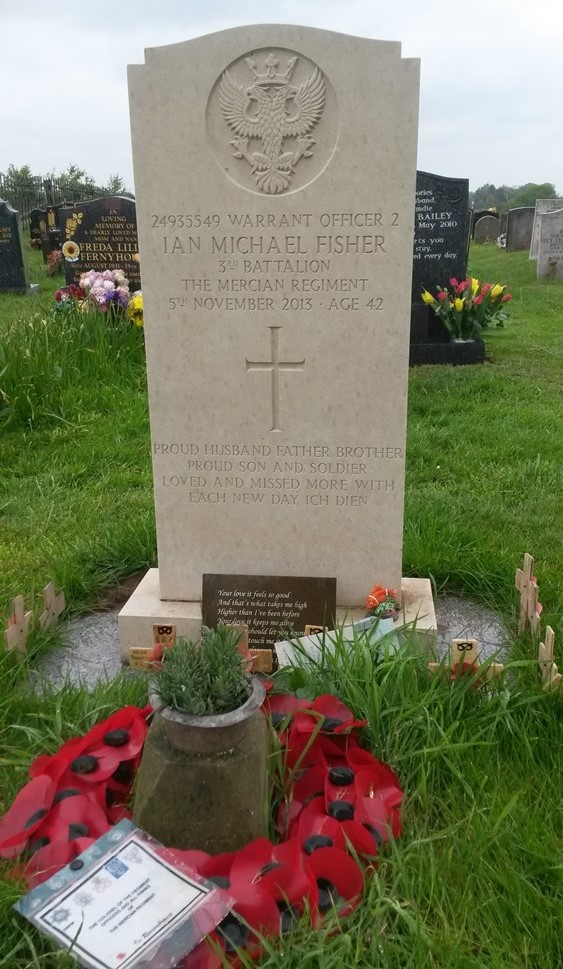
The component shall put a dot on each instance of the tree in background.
(510, 196)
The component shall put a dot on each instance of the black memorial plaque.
(101, 234)
(440, 245)
(272, 606)
(13, 273)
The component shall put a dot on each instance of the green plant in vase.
(207, 677)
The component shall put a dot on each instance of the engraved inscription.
(317, 475)
(274, 366)
(269, 111)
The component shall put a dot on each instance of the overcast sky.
(491, 106)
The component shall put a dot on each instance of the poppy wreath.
(338, 805)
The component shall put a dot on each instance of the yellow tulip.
(474, 285)
(459, 304)
(496, 290)
(427, 297)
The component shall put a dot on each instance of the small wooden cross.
(551, 677)
(530, 608)
(464, 652)
(15, 636)
(54, 605)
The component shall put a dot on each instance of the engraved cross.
(274, 366)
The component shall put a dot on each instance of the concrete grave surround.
(550, 248)
(542, 207)
(486, 229)
(275, 172)
(519, 227)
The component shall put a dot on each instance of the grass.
(475, 879)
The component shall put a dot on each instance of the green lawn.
(475, 879)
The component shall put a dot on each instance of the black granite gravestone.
(13, 273)
(37, 223)
(101, 234)
(440, 246)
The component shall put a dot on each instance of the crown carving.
(270, 76)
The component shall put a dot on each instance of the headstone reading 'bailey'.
(550, 249)
(486, 230)
(440, 243)
(519, 227)
(101, 234)
(13, 270)
(275, 176)
(542, 207)
(272, 606)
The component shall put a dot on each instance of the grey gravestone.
(542, 207)
(440, 245)
(272, 606)
(479, 214)
(502, 223)
(519, 227)
(13, 269)
(550, 248)
(101, 234)
(486, 229)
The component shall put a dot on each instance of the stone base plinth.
(145, 607)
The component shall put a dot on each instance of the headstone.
(275, 229)
(101, 234)
(502, 223)
(486, 229)
(440, 245)
(550, 249)
(542, 207)
(37, 223)
(479, 214)
(13, 269)
(519, 227)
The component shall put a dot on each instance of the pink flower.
(463, 286)
(478, 300)
(442, 296)
(453, 281)
(486, 288)
(506, 298)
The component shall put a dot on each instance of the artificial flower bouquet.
(469, 306)
(107, 292)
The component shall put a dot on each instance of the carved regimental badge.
(272, 119)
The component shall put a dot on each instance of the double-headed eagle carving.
(272, 109)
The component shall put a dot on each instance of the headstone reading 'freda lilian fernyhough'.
(275, 176)
(100, 234)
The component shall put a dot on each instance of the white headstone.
(542, 207)
(275, 171)
(550, 249)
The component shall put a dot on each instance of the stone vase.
(202, 782)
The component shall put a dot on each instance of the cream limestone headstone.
(550, 249)
(275, 171)
(542, 207)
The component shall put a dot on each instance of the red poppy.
(339, 880)
(25, 815)
(336, 717)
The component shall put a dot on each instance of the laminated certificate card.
(126, 902)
